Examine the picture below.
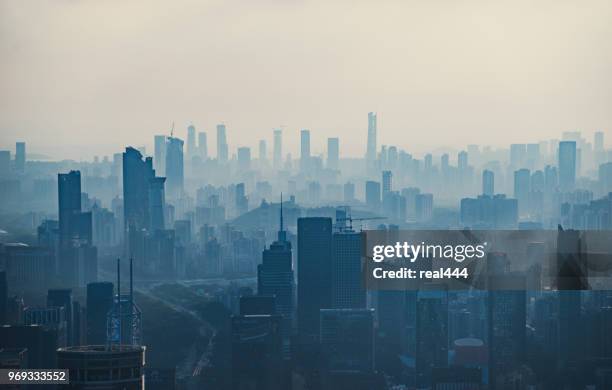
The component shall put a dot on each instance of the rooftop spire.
(281, 233)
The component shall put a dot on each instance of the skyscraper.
(157, 203)
(69, 196)
(372, 195)
(136, 176)
(5, 162)
(346, 271)
(314, 272)
(488, 183)
(305, 149)
(191, 142)
(371, 150)
(203, 145)
(175, 176)
(522, 183)
(278, 148)
(263, 152)
(222, 149)
(159, 160)
(244, 159)
(20, 156)
(63, 298)
(333, 153)
(386, 182)
(567, 165)
(99, 303)
(275, 278)
(431, 332)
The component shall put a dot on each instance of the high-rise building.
(598, 141)
(305, 149)
(256, 353)
(242, 202)
(278, 148)
(244, 159)
(488, 183)
(159, 160)
(347, 340)
(263, 152)
(203, 145)
(333, 153)
(372, 129)
(69, 197)
(175, 175)
(346, 271)
(20, 156)
(431, 332)
(522, 184)
(387, 184)
(99, 303)
(518, 155)
(314, 272)
(5, 162)
(275, 278)
(605, 178)
(100, 367)
(567, 165)
(191, 142)
(372, 195)
(462, 161)
(63, 298)
(222, 148)
(157, 203)
(349, 192)
(136, 178)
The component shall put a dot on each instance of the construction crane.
(351, 219)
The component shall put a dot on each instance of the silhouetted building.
(222, 148)
(99, 303)
(203, 145)
(371, 148)
(159, 160)
(488, 183)
(431, 332)
(20, 156)
(372, 195)
(305, 150)
(333, 153)
(346, 271)
(278, 148)
(175, 174)
(314, 272)
(567, 165)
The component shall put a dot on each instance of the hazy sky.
(100, 74)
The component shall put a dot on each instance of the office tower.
(431, 332)
(522, 182)
(423, 207)
(263, 151)
(305, 149)
(347, 340)
(244, 159)
(372, 129)
(278, 148)
(256, 353)
(137, 174)
(175, 175)
(191, 142)
(203, 145)
(157, 203)
(69, 197)
(314, 272)
(159, 160)
(275, 278)
(63, 298)
(3, 297)
(532, 156)
(40, 343)
(386, 182)
(567, 165)
(506, 321)
(222, 149)
(346, 271)
(444, 164)
(493, 212)
(51, 318)
(462, 161)
(5, 162)
(98, 367)
(349, 192)
(518, 155)
(99, 303)
(598, 141)
(241, 201)
(372, 195)
(605, 178)
(488, 183)
(333, 153)
(20, 156)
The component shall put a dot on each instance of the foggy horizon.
(88, 78)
